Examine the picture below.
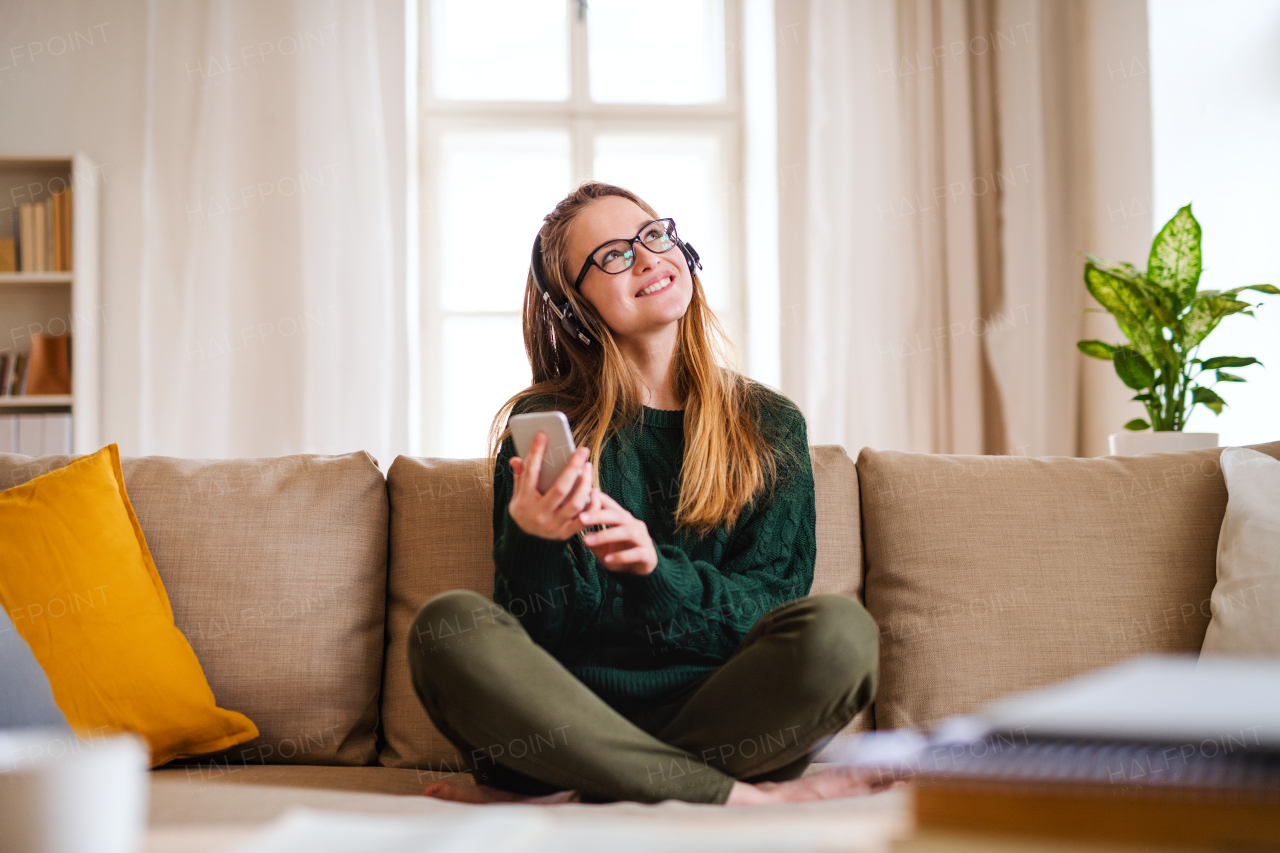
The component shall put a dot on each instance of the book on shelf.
(22, 234)
(64, 230)
(36, 434)
(37, 237)
(13, 374)
(8, 255)
(5, 358)
(45, 370)
(55, 203)
(42, 234)
(47, 209)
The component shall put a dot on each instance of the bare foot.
(822, 785)
(483, 795)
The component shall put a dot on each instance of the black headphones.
(575, 327)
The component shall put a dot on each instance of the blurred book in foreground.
(1186, 795)
(1154, 752)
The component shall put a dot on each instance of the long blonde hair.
(727, 461)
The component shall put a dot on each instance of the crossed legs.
(530, 727)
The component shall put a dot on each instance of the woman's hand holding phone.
(554, 515)
(571, 506)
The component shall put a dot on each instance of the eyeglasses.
(617, 256)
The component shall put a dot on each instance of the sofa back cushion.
(995, 574)
(442, 539)
(276, 571)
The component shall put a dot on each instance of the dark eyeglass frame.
(591, 258)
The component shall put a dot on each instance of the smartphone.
(559, 442)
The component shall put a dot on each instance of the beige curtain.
(272, 281)
(931, 284)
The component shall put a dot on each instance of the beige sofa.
(295, 579)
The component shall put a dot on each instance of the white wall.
(92, 100)
(1215, 79)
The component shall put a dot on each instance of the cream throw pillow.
(1246, 599)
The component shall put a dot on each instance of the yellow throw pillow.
(78, 580)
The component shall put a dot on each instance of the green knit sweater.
(637, 640)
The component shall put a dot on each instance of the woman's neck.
(653, 357)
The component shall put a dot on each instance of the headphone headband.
(565, 312)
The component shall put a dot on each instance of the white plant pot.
(1137, 443)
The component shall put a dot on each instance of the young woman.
(652, 639)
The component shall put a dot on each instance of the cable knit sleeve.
(708, 609)
(536, 580)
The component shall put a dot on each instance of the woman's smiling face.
(650, 296)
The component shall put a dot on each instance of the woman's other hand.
(555, 514)
(624, 545)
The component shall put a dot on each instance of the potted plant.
(1166, 318)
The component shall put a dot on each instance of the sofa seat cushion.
(994, 574)
(442, 539)
(276, 572)
(191, 814)
(316, 777)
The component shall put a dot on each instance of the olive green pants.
(528, 725)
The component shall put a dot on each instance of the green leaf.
(1133, 369)
(1120, 269)
(1232, 306)
(1205, 313)
(1164, 304)
(1223, 376)
(1261, 288)
(1110, 291)
(1211, 400)
(1229, 361)
(1096, 349)
(1137, 424)
(1144, 398)
(1132, 315)
(1175, 256)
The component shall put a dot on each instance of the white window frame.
(584, 120)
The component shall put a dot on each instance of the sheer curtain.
(931, 286)
(272, 279)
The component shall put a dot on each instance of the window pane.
(679, 176)
(1221, 57)
(500, 50)
(657, 52)
(495, 189)
(484, 364)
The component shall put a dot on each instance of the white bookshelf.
(56, 302)
(36, 278)
(33, 401)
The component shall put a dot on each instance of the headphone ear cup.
(691, 257)
(565, 311)
(571, 325)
